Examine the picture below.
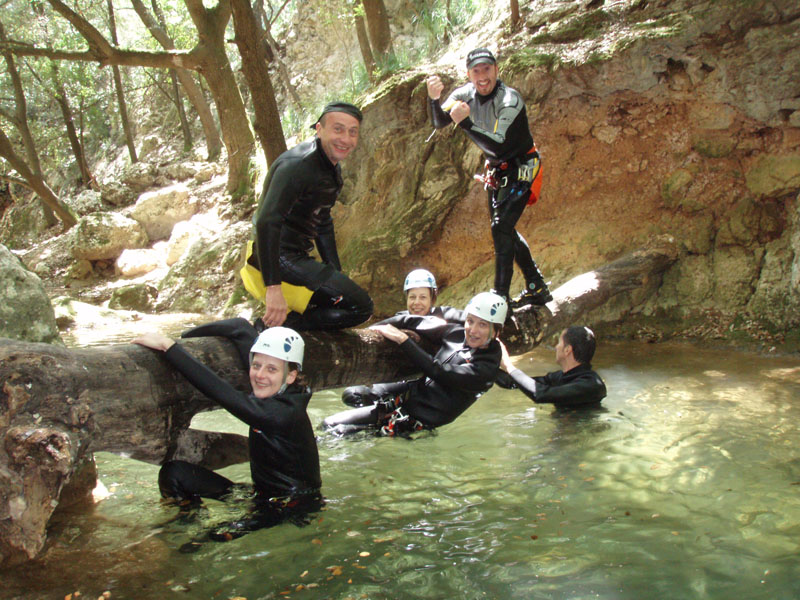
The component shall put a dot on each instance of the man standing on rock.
(294, 214)
(493, 116)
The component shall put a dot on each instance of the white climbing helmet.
(280, 342)
(419, 278)
(489, 307)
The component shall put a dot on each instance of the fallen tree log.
(59, 405)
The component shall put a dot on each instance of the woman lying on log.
(284, 462)
(421, 291)
(463, 368)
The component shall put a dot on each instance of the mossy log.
(59, 405)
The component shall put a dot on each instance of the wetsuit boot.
(535, 292)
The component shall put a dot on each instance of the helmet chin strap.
(285, 376)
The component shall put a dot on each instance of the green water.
(686, 485)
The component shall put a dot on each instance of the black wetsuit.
(580, 386)
(294, 214)
(453, 380)
(284, 462)
(498, 124)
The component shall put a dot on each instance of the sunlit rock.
(135, 262)
(103, 236)
(158, 211)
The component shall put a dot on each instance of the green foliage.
(530, 58)
(433, 19)
(580, 27)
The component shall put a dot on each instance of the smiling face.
(338, 134)
(267, 375)
(484, 77)
(477, 331)
(419, 301)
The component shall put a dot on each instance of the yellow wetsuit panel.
(297, 296)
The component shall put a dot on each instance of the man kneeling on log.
(284, 462)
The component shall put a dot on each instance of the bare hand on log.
(391, 333)
(154, 341)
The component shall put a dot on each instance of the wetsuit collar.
(326, 162)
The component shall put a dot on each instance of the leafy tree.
(208, 56)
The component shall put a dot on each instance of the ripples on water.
(685, 485)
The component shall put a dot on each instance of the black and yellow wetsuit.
(498, 124)
(293, 216)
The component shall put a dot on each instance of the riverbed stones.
(104, 235)
(137, 296)
(25, 309)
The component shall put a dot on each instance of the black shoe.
(528, 297)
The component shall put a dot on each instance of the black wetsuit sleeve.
(239, 404)
(439, 117)
(326, 241)
(587, 388)
(281, 190)
(431, 328)
(472, 375)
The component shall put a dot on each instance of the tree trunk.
(20, 121)
(380, 35)
(123, 107)
(267, 121)
(36, 182)
(57, 405)
(217, 71)
(60, 95)
(363, 43)
(158, 30)
(186, 130)
(272, 46)
(514, 14)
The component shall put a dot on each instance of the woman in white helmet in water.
(284, 462)
(464, 367)
(421, 291)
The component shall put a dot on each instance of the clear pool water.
(685, 485)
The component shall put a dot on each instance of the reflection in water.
(683, 485)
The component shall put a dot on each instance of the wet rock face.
(668, 118)
(25, 310)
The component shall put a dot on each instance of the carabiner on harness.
(399, 423)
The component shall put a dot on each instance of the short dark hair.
(582, 340)
(344, 107)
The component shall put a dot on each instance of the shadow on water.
(684, 484)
